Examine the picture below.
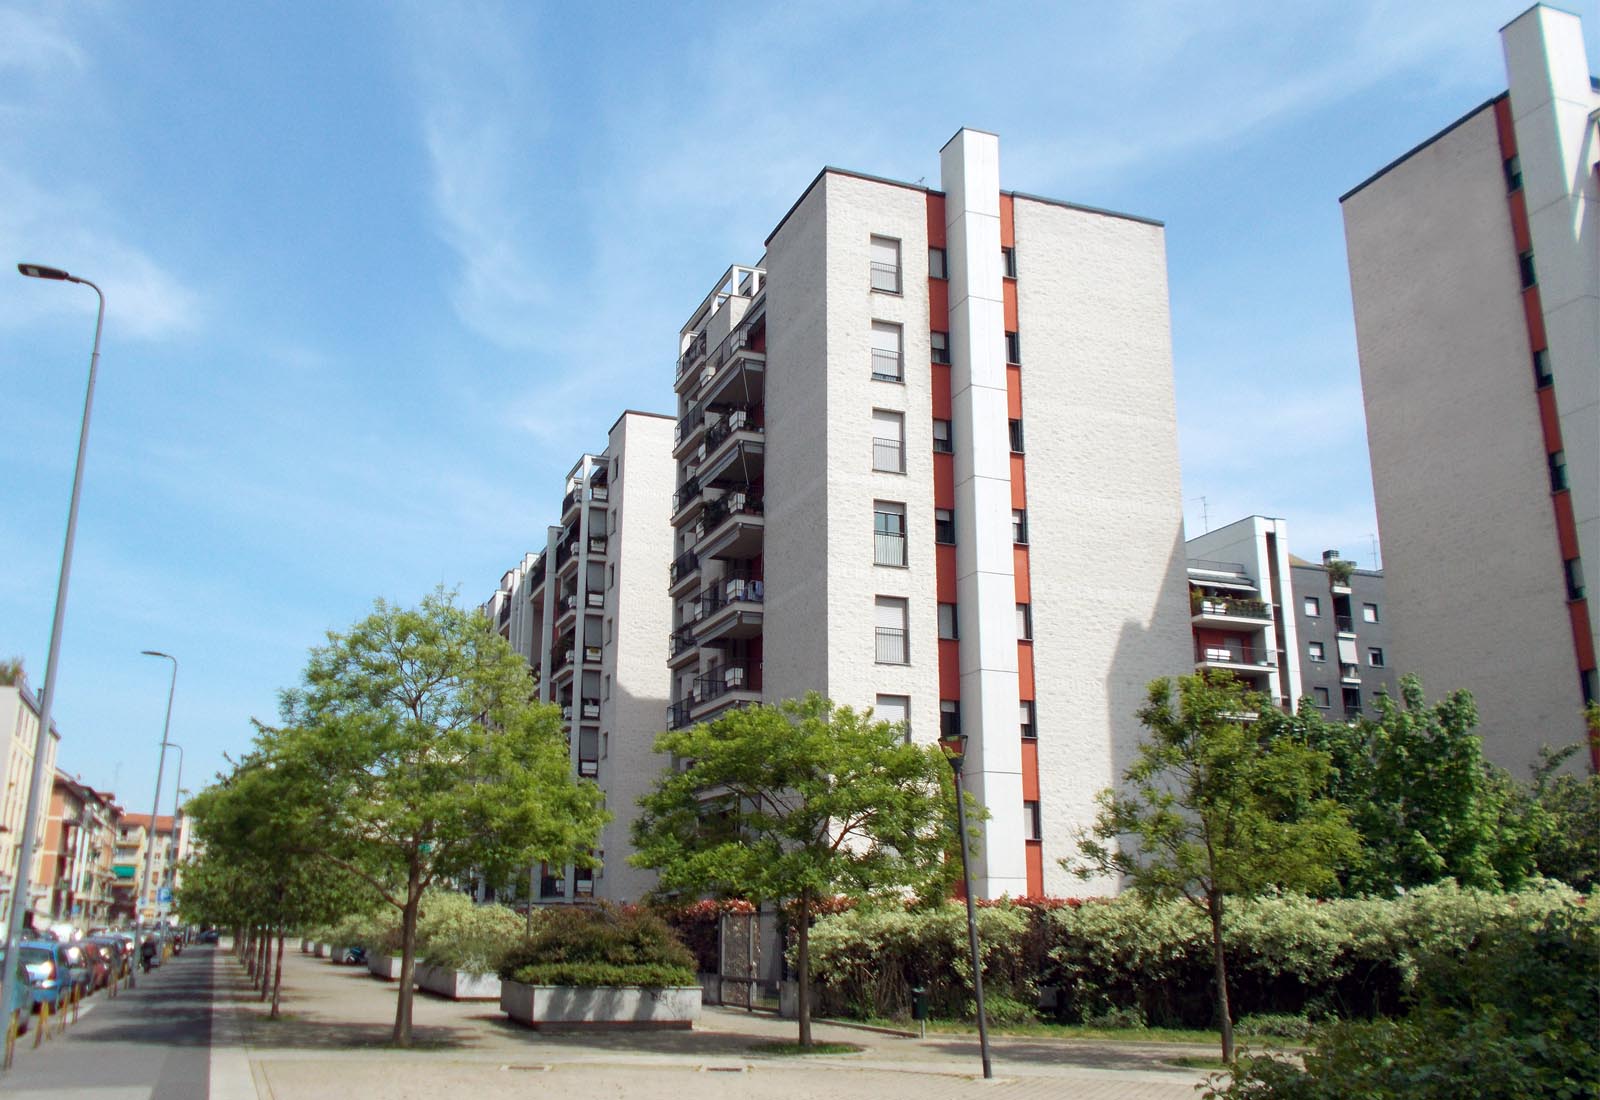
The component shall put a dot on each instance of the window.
(944, 526)
(1322, 698)
(1030, 820)
(1013, 348)
(611, 577)
(1369, 612)
(888, 533)
(1589, 683)
(1316, 652)
(948, 628)
(1016, 435)
(1352, 702)
(1313, 607)
(1024, 622)
(886, 357)
(886, 265)
(889, 617)
(1375, 656)
(1575, 587)
(896, 710)
(942, 442)
(1513, 167)
(1019, 526)
(1541, 368)
(949, 719)
(605, 686)
(1558, 471)
(888, 441)
(1008, 262)
(937, 267)
(1026, 719)
(1525, 268)
(939, 347)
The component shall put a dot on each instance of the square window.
(1024, 622)
(1369, 612)
(1541, 368)
(887, 358)
(942, 441)
(1030, 820)
(1322, 697)
(1013, 348)
(888, 441)
(944, 526)
(1375, 657)
(948, 628)
(1026, 718)
(889, 533)
(886, 265)
(1019, 526)
(1513, 168)
(939, 347)
(896, 710)
(889, 617)
(1526, 271)
(1008, 262)
(1316, 652)
(1313, 607)
(1575, 585)
(949, 719)
(1558, 471)
(1015, 427)
(938, 268)
(1352, 702)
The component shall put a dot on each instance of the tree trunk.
(408, 962)
(277, 978)
(804, 959)
(266, 963)
(251, 944)
(1224, 1014)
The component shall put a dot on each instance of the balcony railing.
(690, 422)
(720, 683)
(588, 769)
(678, 714)
(1229, 606)
(680, 642)
(891, 646)
(739, 420)
(695, 352)
(1344, 624)
(889, 455)
(568, 501)
(888, 549)
(730, 591)
(738, 502)
(886, 277)
(685, 494)
(597, 544)
(887, 366)
(591, 708)
(686, 563)
(1237, 655)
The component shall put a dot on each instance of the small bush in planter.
(604, 946)
(473, 939)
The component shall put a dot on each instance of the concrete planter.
(562, 1006)
(320, 950)
(458, 985)
(386, 967)
(305, 947)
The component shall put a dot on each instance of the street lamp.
(161, 766)
(36, 783)
(954, 745)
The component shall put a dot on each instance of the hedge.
(606, 945)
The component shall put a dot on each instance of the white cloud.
(34, 42)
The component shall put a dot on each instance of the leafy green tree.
(798, 802)
(1211, 809)
(418, 754)
(1564, 813)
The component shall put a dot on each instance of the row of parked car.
(49, 972)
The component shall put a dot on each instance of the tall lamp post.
(36, 784)
(955, 750)
(161, 766)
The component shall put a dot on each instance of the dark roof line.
(1088, 209)
(1414, 150)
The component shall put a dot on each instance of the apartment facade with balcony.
(78, 853)
(1475, 277)
(1240, 587)
(135, 839)
(1347, 654)
(589, 612)
(19, 733)
(926, 463)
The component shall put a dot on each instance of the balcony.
(588, 769)
(569, 505)
(591, 654)
(889, 455)
(594, 601)
(731, 610)
(597, 546)
(1229, 608)
(737, 369)
(687, 501)
(888, 548)
(683, 571)
(693, 353)
(678, 714)
(721, 688)
(681, 646)
(690, 431)
(589, 710)
(735, 451)
(733, 526)
(1350, 674)
(1235, 657)
(1345, 625)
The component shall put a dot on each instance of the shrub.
(472, 937)
(1117, 1019)
(699, 926)
(606, 945)
(1275, 1025)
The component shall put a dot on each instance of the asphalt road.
(146, 1043)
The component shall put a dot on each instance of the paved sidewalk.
(332, 1045)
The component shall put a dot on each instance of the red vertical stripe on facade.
(939, 305)
(1008, 220)
(1503, 127)
(941, 392)
(944, 476)
(1566, 525)
(1019, 482)
(1035, 869)
(1030, 771)
(944, 481)
(1019, 573)
(935, 220)
(949, 669)
(1519, 221)
(1024, 672)
(1579, 610)
(1533, 310)
(1549, 420)
(944, 567)
(1014, 392)
(1009, 290)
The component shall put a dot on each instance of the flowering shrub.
(698, 923)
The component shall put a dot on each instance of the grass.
(785, 1049)
(1041, 1029)
(1189, 1062)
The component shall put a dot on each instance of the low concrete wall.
(386, 967)
(558, 1006)
(458, 985)
(305, 947)
(320, 950)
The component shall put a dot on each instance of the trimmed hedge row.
(1137, 960)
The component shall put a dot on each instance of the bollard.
(919, 1009)
(11, 1037)
(44, 1024)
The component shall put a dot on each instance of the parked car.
(21, 995)
(118, 951)
(79, 962)
(47, 971)
(210, 935)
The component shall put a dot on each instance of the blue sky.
(377, 273)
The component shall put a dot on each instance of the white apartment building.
(1475, 275)
(590, 612)
(19, 733)
(1241, 603)
(927, 463)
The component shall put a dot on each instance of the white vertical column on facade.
(552, 538)
(985, 579)
(1552, 104)
(1277, 588)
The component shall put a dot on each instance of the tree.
(419, 754)
(798, 802)
(1211, 810)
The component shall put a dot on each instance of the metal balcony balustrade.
(597, 544)
(1231, 606)
(687, 492)
(887, 366)
(891, 647)
(738, 502)
(886, 277)
(679, 642)
(1344, 624)
(590, 708)
(889, 455)
(685, 564)
(689, 423)
(678, 714)
(720, 683)
(1236, 655)
(728, 591)
(594, 600)
(692, 354)
(569, 501)
(888, 548)
(737, 420)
